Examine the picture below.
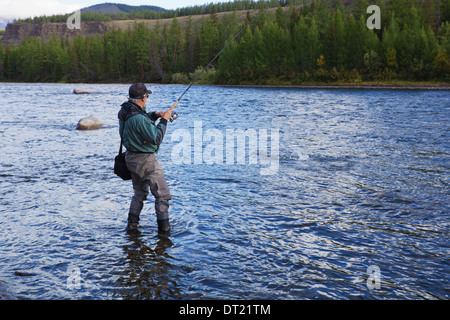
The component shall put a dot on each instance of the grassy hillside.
(183, 21)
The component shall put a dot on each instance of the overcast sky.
(29, 8)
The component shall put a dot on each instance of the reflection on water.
(147, 275)
(362, 184)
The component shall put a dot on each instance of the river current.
(336, 194)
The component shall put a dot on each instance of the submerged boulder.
(84, 91)
(89, 123)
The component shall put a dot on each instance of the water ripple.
(362, 181)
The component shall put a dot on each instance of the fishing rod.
(175, 115)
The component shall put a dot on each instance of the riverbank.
(392, 85)
(315, 85)
(358, 86)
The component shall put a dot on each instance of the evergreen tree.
(190, 44)
(140, 39)
(305, 45)
(30, 60)
(360, 9)
(56, 59)
(294, 16)
(280, 18)
(155, 56)
(441, 63)
(114, 41)
(339, 40)
(209, 42)
(274, 49)
(175, 47)
(76, 52)
(353, 44)
(430, 13)
(2, 60)
(334, 42)
(229, 65)
(213, 15)
(444, 11)
(10, 63)
(320, 12)
(300, 45)
(244, 53)
(258, 58)
(95, 63)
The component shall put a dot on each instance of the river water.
(338, 194)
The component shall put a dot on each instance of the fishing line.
(175, 115)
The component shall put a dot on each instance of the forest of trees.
(316, 42)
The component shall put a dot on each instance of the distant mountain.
(118, 8)
(4, 22)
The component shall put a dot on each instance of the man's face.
(144, 100)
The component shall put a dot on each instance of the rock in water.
(84, 91)
(89, 123)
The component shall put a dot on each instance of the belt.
(140, 152)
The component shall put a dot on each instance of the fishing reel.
(173, 117)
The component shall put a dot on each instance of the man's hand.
(165, 114)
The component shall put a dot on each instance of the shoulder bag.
(120, 165)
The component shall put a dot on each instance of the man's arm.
(160, 114)
(155, 134)
(154, 115)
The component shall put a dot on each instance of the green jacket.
(138, 129)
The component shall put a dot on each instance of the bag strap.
(120, 150)
(121, 138)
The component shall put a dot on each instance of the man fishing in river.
(142, 138)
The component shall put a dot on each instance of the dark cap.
(138, 91)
